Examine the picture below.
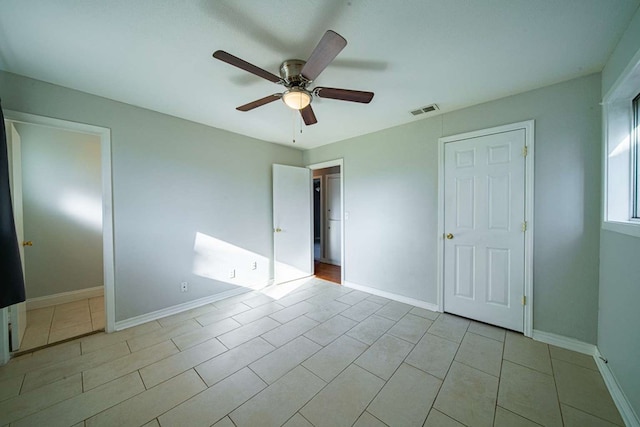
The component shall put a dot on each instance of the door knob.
(27, 243)
(449, 236)
(278, 230)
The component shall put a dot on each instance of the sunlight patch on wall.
(219, 260)
(621, 148)
(85, 209)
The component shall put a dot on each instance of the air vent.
(427, 109)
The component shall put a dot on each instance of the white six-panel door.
(484, 214)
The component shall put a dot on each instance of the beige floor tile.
(31, 402)
(258, 300)
(56, 335)
(449, 327)
(150, 404)
(205, 333)
(327, 311)
(328, 331)
(335, 357)
(378, 299)
(325, 297)
(406, 398)
(527, 352)
(117, 368)
(438, 419)
(579, 359)
(96, 304)
(49, 374)
(222, 313)
(361, 310)
(98, 341)
(342, 401)
(371, 329)
(247, 332)
(70, 317)
(529, 393)
(40, 316)
(468, 396)
(481, 353)
(10, 387)
(233, 360)
(353, 297)
(227, 302)
(368, 420)
(293, 329)
(296, 297)
(186, 315)
(506, 418)
(85, 405)
(152, 423)
(488, 331)
(384, 356)
(173, 365)
(394, 310)
(215, 402)
(39, 359)
(584, 389)
(97, 320)
(160, 335)
(34, 336)
(280, 401)
(254, 314)
(289, 313)
(225, 422)
(297, 421)
(411, 328)
(573, 417)
(423, 312)
(282, 360)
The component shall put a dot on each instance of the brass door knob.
(449, 236)
(278, 230)
(27, 243)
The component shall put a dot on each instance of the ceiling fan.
(296, 75)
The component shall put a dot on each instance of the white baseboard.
(64, 297)
(175, 309)
(392, 296)
(627, 413)
(564, 342)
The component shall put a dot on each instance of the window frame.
(635, 157)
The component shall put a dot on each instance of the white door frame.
(107, 197)
(328, 164)
(528, 127)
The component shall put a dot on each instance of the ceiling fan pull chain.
(293, 126)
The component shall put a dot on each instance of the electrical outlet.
(232, 274)
(254, 265)
(184, 287)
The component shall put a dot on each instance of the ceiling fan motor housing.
(291, 73)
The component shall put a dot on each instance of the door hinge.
(525, 151)
(524, 226)
(524, 300)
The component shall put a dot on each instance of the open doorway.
(327, 222)
(55, 152)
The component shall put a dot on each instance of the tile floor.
(321, 355)
(63, 321)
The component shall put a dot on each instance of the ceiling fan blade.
(244, 65)
(330, 45)
(259, 102)
(308, 116)
(344, 94)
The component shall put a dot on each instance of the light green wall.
(171, 179)
(390, 184)
(619, 316)
(62, 200)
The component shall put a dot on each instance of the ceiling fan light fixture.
(296, 98)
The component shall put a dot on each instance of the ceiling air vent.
(427, 109)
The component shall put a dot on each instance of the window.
(635, 156)
(621, 166)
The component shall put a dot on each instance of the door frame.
(328, 164)
(107, 197)
(325, 223)
(528, 127)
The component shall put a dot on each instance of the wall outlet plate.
(232, 274)
(184, 287)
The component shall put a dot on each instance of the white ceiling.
(156, 54)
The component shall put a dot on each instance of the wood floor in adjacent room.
(320, 355)
(329, 272)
